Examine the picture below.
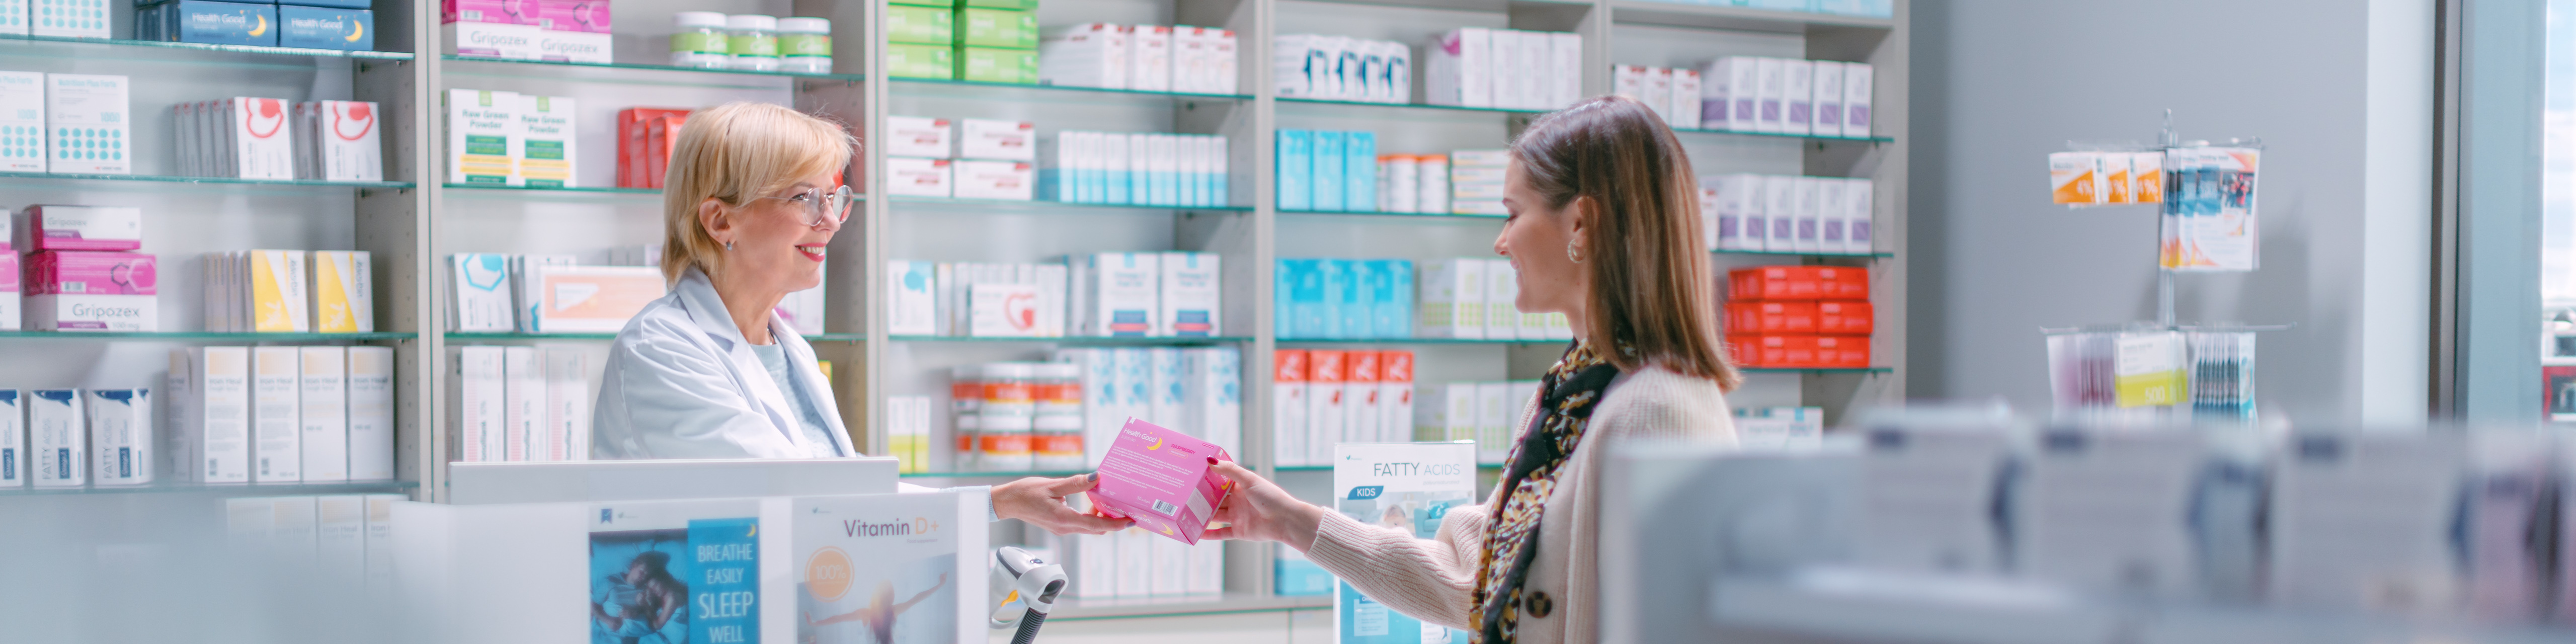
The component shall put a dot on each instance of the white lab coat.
(682, 382)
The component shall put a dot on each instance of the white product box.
(1445, 412)
(1629, 81)
(1797, 96)
(1432, 170)
(918, 177)
(1337, 77)
(1857, 86)
(1658, 94)
(1289, 407)
(121, 436)
(478, 402)
(17, 11)
(592, 299)
(913, 309)
(1293, 57)
(57, 437)
(1396, 74)
(1828, 98)
(1120, 292)
(1685, 111)
(568, 403)
(1493, 427)
(1012, 180)
(88, 128)
(380, 537)
(210, 401)
(1361, 409)
(340, 534)
(2355, 516)
(371, 413)
(1395, 396)
(998, 310)
(348, 145)
(1224, 62)
(263, 145)
(1136, 561)
(523, 402)
(1458, 68)
(1780, 209)
(1810, 218)
(1565, 51)
(1453, 298)
(1857, 197)
(1168, 401)
(1189, 59)
(1214, 383)
(1743, 90)
(68, 18)
(491, 40)
(1086, 55)
(1833, 218)
(324, 413)
(1190, 286)
(1171, 574)
(917, 136)
(111, 313)
(1508, 68)
(994, 139)
(276, 402)
(482, 130)
(576, 46)
(1770, 110)
(92, 227)
(481, 284)
(1327, 373)
(343, 300)
(278, 298)
(13, 439)
(22, 115)
(1502, 292)
(544, 147)
(1149, 58)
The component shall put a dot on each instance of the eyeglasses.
(819, 205)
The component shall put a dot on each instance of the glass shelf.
(952, 203)
(1074, 609)
(472, 337)
(207, 336)
(1080, 340)
(567, 190)
(1328, 468)
(1404, 106)
(154, 178)
(1430, 216)
(1053, 474)
(1422, 341)
(1791, 253)
(228, 490)
(1777, 135)
(944, 88)
(1710, 16)
(158, 51)
(535, 66)
(1817, 370)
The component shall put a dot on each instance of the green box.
(920, 25)
(919, 61)
(924, 3)
(980, 27)
(997, 65)
(1014, 5)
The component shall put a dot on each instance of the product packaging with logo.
(1163, 480)
(675, 571)
(326, 28)
(890, 568)
(92, 291)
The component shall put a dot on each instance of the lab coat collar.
(706, 308)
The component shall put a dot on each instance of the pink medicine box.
(91, 273)
(1160, 478)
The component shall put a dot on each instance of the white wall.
(2341, 94)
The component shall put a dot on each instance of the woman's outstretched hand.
(1040, 501)
(1260, 510)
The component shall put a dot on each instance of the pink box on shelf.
(43, 227)
(1161, 479)
(91, 273)
(506, 12)
(585, 16)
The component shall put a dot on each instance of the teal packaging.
(1306, 297)
(1358, 308)
(1329, 170)
(1359, 171)
(1394, 316)
(1283, 303)
(1338, 290)
(326, 28)
(1296, 170)
(221, 23)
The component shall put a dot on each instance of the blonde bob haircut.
(734, 153)
(1652, 284)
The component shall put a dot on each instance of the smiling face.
(1535, 238)
(774, 249)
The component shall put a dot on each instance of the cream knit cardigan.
(1432, 579)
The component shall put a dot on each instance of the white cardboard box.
(89, 128)
(917, 136)
(568, 405)
(1458, 68)
(914, 308)
(1502, 293)
(324, 413)
(1121, 292)
(1685, 113)
(210, 395)
(1453, 298)
(121, 433)
(13, 439)
(477, 402)
(1190, 286)
(371, 413)
(22, 118)
(482, 130)
(1086, 55)
(277, 450)
(523, 395)
(918, 177)
(1566, 72)
(1149, 58)
(1010, 180)
(1856, 99)
(1770, 78)
(57, 437)
(1798, 96)
(1289, 407)
(997, 139)
(547, 154)
(491, 40)
(110, 313)
(1828, 98)
(481, 284)
(262, 145)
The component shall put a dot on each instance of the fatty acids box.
(22, 120)
(87, 124)
(1162, 479)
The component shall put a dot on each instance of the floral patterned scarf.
(1569, 391)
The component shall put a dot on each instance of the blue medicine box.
(326, 28)
(344, 4)
(222, 23)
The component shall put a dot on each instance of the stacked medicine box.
(559, 30)
(1800, 317)
(991, 41)
(345, 25)
(993, 159)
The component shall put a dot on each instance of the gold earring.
(1572, 254)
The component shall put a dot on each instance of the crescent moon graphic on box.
(262, 28)
(356, 30)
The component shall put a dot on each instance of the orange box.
(633, 129)
(1797, 283)
(1842, 318)
(1775, 351)
(1841, 351)
(1771, 317)
(1841, 283)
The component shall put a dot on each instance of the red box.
(633, 129)
(1842, 352)
(1844, 318)
(1797, 283)
(1770, 317)
(1787, 351)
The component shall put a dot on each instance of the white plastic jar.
(805, 45)
(752, 40)
(700, 41)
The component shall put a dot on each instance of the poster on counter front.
(1405, 486)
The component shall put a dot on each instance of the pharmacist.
(1602, 230)
(710, 371)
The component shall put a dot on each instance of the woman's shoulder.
(662, 324)
(1657, 395)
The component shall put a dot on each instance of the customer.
(710, 370)
(1604, 228)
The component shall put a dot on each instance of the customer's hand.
(1262, 511)
(1040, 501)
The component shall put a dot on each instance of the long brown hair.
(1652, 284)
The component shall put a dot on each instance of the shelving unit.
(416, 218)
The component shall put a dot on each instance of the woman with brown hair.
(1604, 228)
